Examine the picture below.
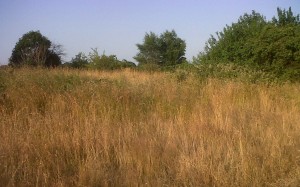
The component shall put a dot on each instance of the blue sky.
(116, 26)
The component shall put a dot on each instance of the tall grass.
(127, 128)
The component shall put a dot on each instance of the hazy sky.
(116, 26)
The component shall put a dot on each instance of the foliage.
(96, 61)
(234, 43)
(105, 62)
(34, 49)
(80, 61)
(233, 71)
(127, 64)
(286, 17)
(279, 49)
(149, 67)
(164, 50)
(252, 42)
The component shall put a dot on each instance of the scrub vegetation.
(126, 128)
(231, 117)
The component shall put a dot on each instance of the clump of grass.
(129, 128)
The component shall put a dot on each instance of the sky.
(116, 26)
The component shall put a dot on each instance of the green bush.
(272, 48)
(99, 62)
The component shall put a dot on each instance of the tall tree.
(166, 49)
(172, 48)
(286, 17)
(236, 42)
(34, 49)
(149, 50)
(270, 46)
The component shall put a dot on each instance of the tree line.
(252, 42)
(255, 43)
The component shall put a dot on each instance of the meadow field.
(64, 127)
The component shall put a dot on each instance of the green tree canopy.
(286, 17)
(236, 42)
(34, 49)
(80, 61)
(166, 49)
(104, 62)
(271, 46)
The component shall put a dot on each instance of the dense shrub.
(253, 42)
(100, 62)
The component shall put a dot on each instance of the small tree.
(103, 62)
(163, 50)
(80, 61)
(34, 49)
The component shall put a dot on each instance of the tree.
(286, 17)
(236, 42)
(34, 49)
(104, 62)
(80, 61)
(127, 64)
(252, 42)
(166, 49)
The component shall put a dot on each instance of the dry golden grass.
(127, 128)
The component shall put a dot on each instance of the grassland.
(129, 128)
